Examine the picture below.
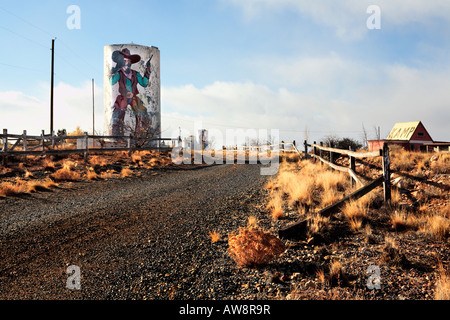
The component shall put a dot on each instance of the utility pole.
(51, 86)
(93, 108)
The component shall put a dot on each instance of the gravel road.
(144, 237)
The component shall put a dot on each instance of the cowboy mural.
(128, 80)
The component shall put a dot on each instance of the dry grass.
(400, 221)
(356, 209)
(442, 288)
(66, 174)
(328, 179)
(275, 205)
(98, 160)
(91, 174)
(126, 172)
(436, 226)
(318, 223)
(8, 189)
(19, 187)
(337, 275)
(330, 196)
(214, 235)
(253, 247)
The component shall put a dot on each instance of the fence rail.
(351, 170)
(52, 144)
(298, 228)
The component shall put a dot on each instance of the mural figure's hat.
(133, 57)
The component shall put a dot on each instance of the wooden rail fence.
(52, 144)
(300, 226)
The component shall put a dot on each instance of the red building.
(410, 135)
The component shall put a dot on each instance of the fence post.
(352, 166)
(43, 141)
(320, 152)
(5, 146)
(306, 149)
(5, 140)
(53, 139)
(386, 173)
(24, 139)
(315, 152)
(86, 145)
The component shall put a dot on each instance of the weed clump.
(254, 247)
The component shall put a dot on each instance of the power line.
(23, 37)
(27, 22)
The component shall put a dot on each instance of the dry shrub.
(136, 158)
(440, 163)
(254, 247)
(45, 184)
(107, 175)
(155, 162)
(98, 160)
(15, 188)
(25, 187)
(252, 222)
(126, 172)
(337, 275)
(91, 174)
(355, 224)
(276, 205)
(48, 164)
(214, 235)
(66, 174)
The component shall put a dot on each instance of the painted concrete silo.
(132, 90)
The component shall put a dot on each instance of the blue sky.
(292, 65)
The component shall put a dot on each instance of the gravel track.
(144, 237)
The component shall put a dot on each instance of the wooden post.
(5, 140)
(43, 141)
(352, 167)
(24, 139)
(5, 146)
(86, 145)
(315, 152)
(320, 151)
(306, 149)
(386, 173)
(53, 140)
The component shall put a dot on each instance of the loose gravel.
(144, 237)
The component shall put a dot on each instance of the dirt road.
(132, 238)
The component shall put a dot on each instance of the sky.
(295, 68)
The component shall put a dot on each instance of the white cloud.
(348, 17)
(341, 95)
(72, 108)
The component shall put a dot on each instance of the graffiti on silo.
(132, 90)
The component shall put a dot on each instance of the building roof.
(403, 131)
